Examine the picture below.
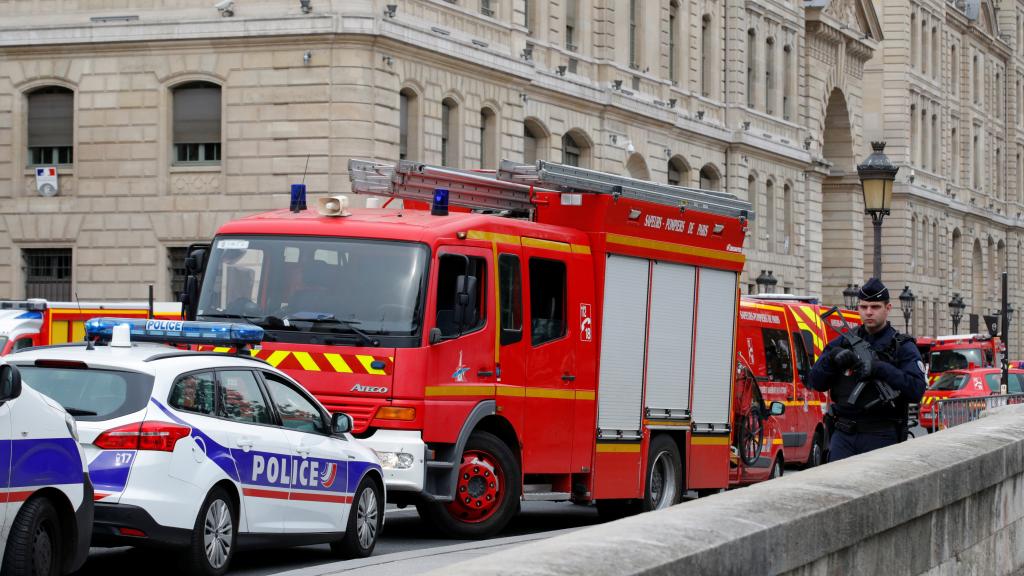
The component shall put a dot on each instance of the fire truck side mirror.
(195, 260)
(436, 335)
(777, 408)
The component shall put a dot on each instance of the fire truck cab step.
(541, 492)
(440, 465)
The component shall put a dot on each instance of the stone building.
(945, 93)
(166, 118)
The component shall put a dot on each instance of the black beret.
(873, 291)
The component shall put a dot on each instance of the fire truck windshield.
(959, 359)
(300, 286)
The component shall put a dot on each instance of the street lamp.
(851, 295)
(956, 310)
(877, 175)
(766, 282)
(907, 304)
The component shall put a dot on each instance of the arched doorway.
(842, 205)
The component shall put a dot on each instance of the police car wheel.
(34, 544)
(213, 536)
(365, 520)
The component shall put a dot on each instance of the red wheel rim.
(480, 490)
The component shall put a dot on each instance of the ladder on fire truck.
(511, 189)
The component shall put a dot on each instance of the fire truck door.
(463, 315)
(550, 364)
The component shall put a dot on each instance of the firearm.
(867, 357)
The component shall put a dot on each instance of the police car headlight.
(396, 460)
(72, 426)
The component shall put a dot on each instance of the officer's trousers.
(844, 445)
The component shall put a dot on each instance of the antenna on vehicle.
(88, 343)
(305, 169)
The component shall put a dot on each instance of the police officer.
(863, 419)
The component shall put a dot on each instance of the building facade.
(945, 93)
(165, 119)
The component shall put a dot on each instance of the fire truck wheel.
(817, 454)
(777, 470)
(486, 493)
(664, 484)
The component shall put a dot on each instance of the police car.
(207, 451)
(45, 493)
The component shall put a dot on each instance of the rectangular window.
(486, 8)
(446, 118)
(777, 355)
(197, 119)
(194, 393)
(802, 342)
(241, 399)
(51, 126)
(176, 271)
(634, 48)
(570, 25)
(511, 296)
(47, 273)
(461, 294)
(547, 300)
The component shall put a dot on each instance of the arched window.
(450, 154)
(709, 177)
(769, 76)
(752, 197)
(409, 125)
(978, 277)
(678, 172)
(673, 41)
(489, 138)
(935, 250)
(915, 52)
(751, 67)
(575, 149)
(635, 33)
(914, 135)
(571, 16)
(924, 46)
(787, 219)
(913, 244)
(707, 59)
(954, 160)
(637, 167)
(51, 126)
(197, 137)
(936, 145)
(770, 241)
(956, 259)
(787, 82)
(535, 141)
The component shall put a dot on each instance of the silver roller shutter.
(714, 357)
(623, 331)
(670, 348)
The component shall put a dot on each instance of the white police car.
(209, 452)
(45, 494)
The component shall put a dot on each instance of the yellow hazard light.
(396, 413)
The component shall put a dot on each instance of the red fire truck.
(963, 352)
(566, 335)
(780, 337)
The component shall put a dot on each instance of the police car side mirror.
(10, 383)
(777, 409)
(341, 423)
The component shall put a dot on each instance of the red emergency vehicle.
(757, 439)
(38, 322)
(571, 338)
(963, 352)
(780, 337)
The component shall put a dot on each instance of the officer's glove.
(844, 358)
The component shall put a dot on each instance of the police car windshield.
(948, 382)
(960, 359)
(91, 394)
(285, 283)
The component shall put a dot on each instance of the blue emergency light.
(177, 331)
(298, 203)
(439, 207)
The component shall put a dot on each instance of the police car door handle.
(244, 443)
(303, 451)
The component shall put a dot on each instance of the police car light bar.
(177, 332)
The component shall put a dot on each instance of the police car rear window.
(91, 394)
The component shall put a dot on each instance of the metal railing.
(954, 411)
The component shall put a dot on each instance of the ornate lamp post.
(850, 296)
(877, 175)
(766, 282)
(956, 310)
(907, 304)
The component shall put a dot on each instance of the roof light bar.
(177, 332)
